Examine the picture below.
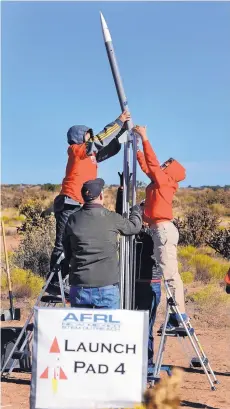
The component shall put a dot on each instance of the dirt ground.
(195, 391)
(12, 241)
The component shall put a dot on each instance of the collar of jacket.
(88, 206)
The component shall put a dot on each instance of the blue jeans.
(148, 298)
(156, 293)
(95, 297)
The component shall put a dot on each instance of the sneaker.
(151, 367)
(174, 324)
(174, 319)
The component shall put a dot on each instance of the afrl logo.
(90, 321)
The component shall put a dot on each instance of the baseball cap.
(92, 189)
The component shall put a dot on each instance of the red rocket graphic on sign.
(56, 373)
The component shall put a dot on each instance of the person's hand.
(141, 130)
(125, 116)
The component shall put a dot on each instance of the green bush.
(207, 268)
(50, 187)
(211, 294)
(186, 252)
(38, 235)
(187, 277)
(219, 209)
(25, 283)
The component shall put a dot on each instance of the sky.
(174, 60)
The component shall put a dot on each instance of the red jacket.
(163, 186)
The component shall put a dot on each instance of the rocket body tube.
(126, 278)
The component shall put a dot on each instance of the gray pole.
(126, 253)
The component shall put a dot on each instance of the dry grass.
(166, 394)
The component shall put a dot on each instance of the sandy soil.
(12, 240)
(195, 391)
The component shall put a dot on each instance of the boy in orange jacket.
(81, 166)
(159, 215)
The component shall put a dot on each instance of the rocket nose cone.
(106, 33)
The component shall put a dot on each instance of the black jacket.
(146, 264)
(90, 244)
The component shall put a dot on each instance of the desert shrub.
(110, 198)
(140, 195)
(187, 277)
(12, 220)
(186, 252)
(208, 251)
(210, 197)
(207, 268)
(196, 227)
(32, 210)
(140, 184)
(220, 241)
(36, 246)
(25, 283)
(211, 294)
(219, 209)
(50, 187)
(38, 240)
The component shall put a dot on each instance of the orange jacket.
(227, 278)
(79, 169)
(82, 164)
(164, 184)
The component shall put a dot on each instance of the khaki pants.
(165, 239)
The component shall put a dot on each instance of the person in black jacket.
(148, 275)
(91, 249)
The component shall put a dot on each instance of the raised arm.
(155, 172)
(103, 138)
(142, 162)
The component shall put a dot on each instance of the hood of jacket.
(176, 171)
(76, 134)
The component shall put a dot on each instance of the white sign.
(88, 358)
